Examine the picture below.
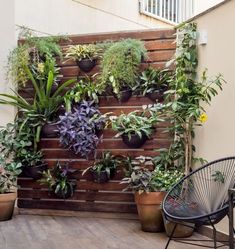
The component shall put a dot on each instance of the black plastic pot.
(125, 95)
(155, 96)
(101, 177)
(50, 130)
(34, 172)
(54, 87)
(86, 65)
(135, 141)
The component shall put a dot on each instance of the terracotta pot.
(181, 231)
(149, 211)
(50, 130)
(34, 172)
(135, 141)
(7, 203)
(86, 65)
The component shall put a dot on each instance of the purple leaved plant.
(78, 129)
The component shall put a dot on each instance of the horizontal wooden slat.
(91, 196)
(78, 195)
(77, 206)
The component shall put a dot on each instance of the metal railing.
(172, 11)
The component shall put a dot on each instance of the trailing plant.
(137, 122)
(152, 80)
(78, 129)
(120, 64)
(142, 179)
(80, 52)
(32, 53)
(59, 180)
(188, 95)
(86, 89)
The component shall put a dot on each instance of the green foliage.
(152, 80)
(142, 179)
(107, 163)
(120, 64)
(218, 176)
(86, 89)
(33, 52)
(187, 95)
(45, 103)
(80, 52)
(59, 180)
(137, 122)
(8, 175)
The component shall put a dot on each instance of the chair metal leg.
(171, 236)
(214, 234)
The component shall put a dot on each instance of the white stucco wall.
(216, 139)
(8, 40)
(202, 5)
(72, 17)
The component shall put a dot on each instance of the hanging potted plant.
(120, 67)
(84, 55)
(136, 127)
(86, 89)
(153, 83)
(60, 181)
(79, 129)
(104, 168)
(150, 189)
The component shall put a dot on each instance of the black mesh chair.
(201, 198)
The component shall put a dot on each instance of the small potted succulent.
(79, 130)
(137, 126)
(120, 67)
(154, 83)
(60, 180)
(150, 188)
(8, 186)
(104, 168)
(84, 55)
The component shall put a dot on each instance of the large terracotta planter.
(7, 203)
(149, 211)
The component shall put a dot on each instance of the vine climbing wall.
(90, 196)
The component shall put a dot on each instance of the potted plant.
(8, 185)
(153, 83)
(79, 129)
(150, 188)
(33, 52)
(137, 126)
(104, 168)
(86, 89)
(84, 55)
(60, 180)
(40, 113)
(32, 163)
(120, 66)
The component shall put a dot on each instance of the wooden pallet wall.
(90, 196)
